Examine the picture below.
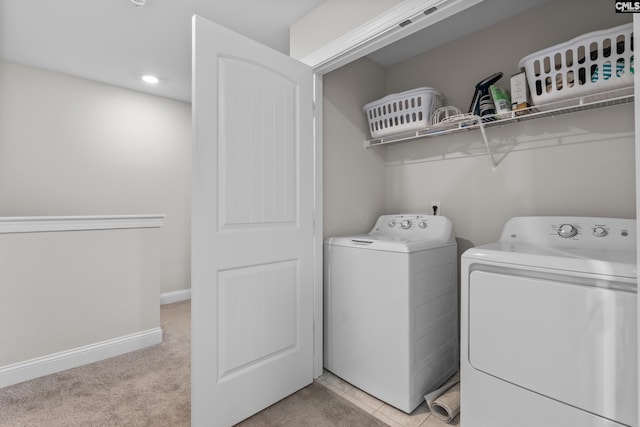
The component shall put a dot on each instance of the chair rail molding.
(34, 224)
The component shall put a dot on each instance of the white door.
(252, 226)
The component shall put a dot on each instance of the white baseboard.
(52, 363)
(175, 296)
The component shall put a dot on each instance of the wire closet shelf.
(587, 102)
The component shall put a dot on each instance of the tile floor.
(421, 417)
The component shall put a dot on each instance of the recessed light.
(148, 78)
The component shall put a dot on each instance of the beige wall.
(353, 179)
(66, 290)
(577, 164)
(331, 20)
(69, 146)
(586, 167)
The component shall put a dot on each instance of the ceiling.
(468, 21)
(114, 42)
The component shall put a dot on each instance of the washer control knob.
(567, 231)
(392, 223)
(405, 224)
(422, 225)
(599, 231)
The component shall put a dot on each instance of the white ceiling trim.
(383, 31)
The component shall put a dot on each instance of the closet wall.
(576, 164)
(354, 179)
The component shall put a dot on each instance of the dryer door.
(572, 342)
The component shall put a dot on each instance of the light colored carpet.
(151, 387)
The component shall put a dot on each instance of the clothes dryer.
(548, 325)
(390, 308)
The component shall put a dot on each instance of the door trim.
(385, 29)
(318, 286)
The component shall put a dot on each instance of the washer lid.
(414, 227)
(386, 243)
(402, 233)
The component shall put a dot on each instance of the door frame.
(373, 35)
(399, 21)
(318, 285)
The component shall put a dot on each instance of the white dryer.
(548, 325)
(390, 308)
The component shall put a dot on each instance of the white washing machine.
(390, 308)
(548, 333)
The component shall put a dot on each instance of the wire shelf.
(588, 102)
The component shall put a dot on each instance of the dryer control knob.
(405, 224)
(422, 225)
(567, 231)
(599, 231)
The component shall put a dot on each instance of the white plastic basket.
(595, 62)
(402, 112)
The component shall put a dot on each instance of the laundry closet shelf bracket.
(494, 164)
(588, 102)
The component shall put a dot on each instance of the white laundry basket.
(595, 62)
(402, 112)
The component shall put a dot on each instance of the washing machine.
(390, 308)
(548, 325)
